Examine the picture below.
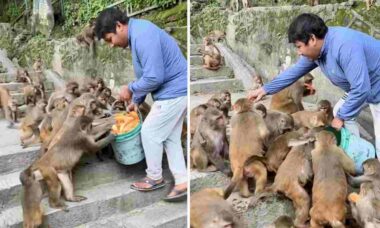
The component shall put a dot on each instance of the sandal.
(153, 185)
(180, 195)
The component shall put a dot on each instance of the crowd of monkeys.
(71, 122)
(288, 141)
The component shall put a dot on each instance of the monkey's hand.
(256, 94)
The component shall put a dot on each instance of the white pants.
(352, 125)
(162, 129)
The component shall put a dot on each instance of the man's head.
(307, 32)
(112, 26)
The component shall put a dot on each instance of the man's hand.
(337, 123)
(256, 94)
(132, 107)
(125, 94)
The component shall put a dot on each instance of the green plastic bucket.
(128, 147)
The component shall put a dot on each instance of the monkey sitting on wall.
(212, 59)
(9, 106)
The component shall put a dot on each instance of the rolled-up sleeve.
(149, 52)
(289, 76)
(353, 62)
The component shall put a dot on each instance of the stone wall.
(259, 34)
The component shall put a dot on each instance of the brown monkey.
(30, 133)
(291, 177)
(64, 154)
(245, 4)
(212, 58)
(258, 82)
(234, 5)
(371, 174)
(289, 100)
(100, 86)
(282, 222)
(8, 106)
(277, 122)
(37, 66)
(313, 2)
(31, 199)
(197, 113)
(248, 135)
(87, 37)
(23, 76)
(310, 119)
(70, 93)
(33, 93)
(217, 35)
(209, 209)
(209, 144)
(225, 99)
(330, 164)
(325, 106)
(366, 210)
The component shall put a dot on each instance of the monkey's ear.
(78, 110)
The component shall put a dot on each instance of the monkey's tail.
(237, 177)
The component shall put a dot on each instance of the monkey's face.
(206, 41)
(215, 103)
(286, 123)
(118, 39)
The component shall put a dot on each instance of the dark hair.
(304, 26)
(106, 21)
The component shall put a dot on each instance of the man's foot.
(178, 193)
(147, 184)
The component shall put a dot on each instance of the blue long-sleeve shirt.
(350, 60)
(159, 65)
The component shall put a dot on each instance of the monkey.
(100, 86)
(9, 107)
(212, 58)
(217, 35)
(313, 2)
(87, 37)
(31, 199)
(22, 75)
(63, 154)
(325, 106)
(371, 174)
(282, 222)
(50, 120)
(209, 209)
(366, 210)
(225, 99)
(37, 66)
(209, 144)
(310, 119)
(369, 3)
(234, 5)
(70, 93)
(30, 133)
(197, 113)
(289, 100)
(277, 122)
(329, 191)
(248, 134)
(292, 175)
(245, 4)
(33, 93)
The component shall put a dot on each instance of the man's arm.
(149, 52)
(289, 76)
(353, 62)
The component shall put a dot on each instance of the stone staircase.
(207, 81)
(111, 202)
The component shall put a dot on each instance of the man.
(350, 60)
(161, 70)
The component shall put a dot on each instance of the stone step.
(194, 49)
(215, 86)
(14, 157)
(86, 175)
(198, 72)
(102, 201)
(14, 86)
(20, 98)
(158, 215)
(196, 60)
